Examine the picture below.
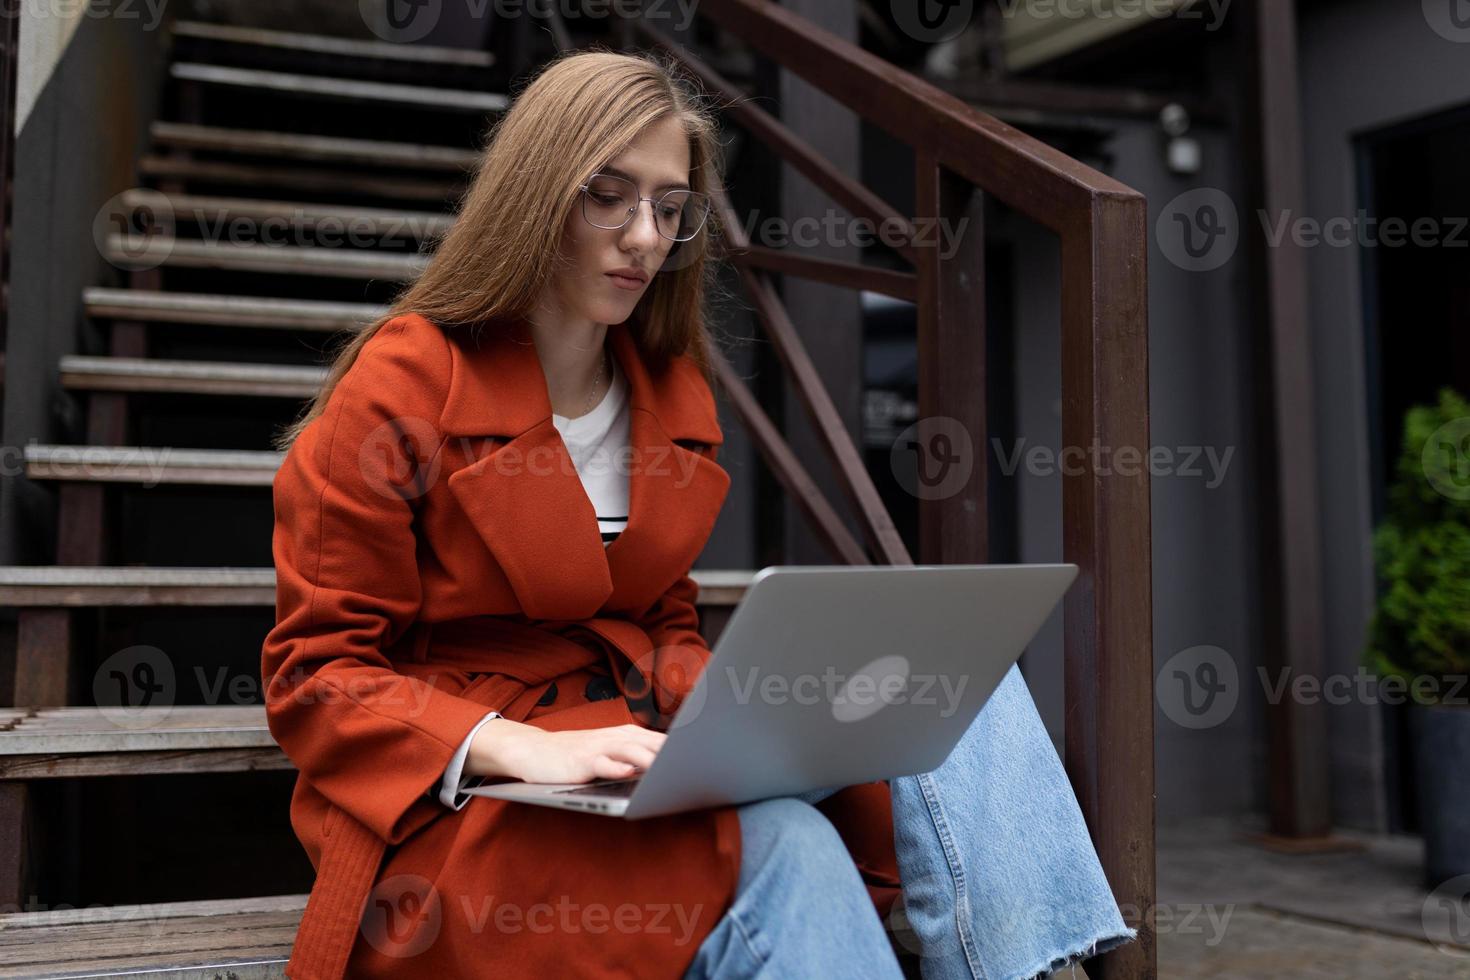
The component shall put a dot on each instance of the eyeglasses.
(611, 202)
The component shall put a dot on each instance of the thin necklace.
(601, 362)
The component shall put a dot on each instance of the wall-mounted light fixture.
(1182, 152)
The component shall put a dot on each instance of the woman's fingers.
(638, 755)
(607, 753)
(645, 736)
(606, 767)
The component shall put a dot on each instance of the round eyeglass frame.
(694, 195)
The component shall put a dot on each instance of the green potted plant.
(1419, 636)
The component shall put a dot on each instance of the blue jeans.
(1000, 878)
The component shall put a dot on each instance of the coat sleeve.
(679, 654)
(680, 651)
(374, 741)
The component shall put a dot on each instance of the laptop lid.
(830, 675)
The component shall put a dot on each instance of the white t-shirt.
(595, 442)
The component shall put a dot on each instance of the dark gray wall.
(1202, 535)
(1364, 65)
(76, 150)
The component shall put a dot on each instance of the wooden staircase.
(252, 316)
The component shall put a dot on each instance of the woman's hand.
(508, 748)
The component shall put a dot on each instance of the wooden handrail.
(952, 365)
(1102, 227)
(1038, 180)
(853, 275)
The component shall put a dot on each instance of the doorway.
(1416, 300)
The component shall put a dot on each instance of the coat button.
(601, 688)
(549, 696)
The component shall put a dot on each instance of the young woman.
(484, 527)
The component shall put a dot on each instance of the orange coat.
(437, 557)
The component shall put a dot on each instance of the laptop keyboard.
(623, 787)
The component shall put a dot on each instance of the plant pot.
(1441, 747)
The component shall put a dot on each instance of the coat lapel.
(526, 501)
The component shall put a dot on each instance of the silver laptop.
(827, 676)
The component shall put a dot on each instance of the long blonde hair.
(490, 267)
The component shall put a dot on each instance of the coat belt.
(531, 654)
(522, 655)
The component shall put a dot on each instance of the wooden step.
(217, 939)
(58, 586)
(66, 743)
(215, 213)
(340, 46)
(342, 263)
(237, 938)
(341, 89)
(228, 311)
(721, 586)
(63, 586)
(311, 181)
(305, 146)
(151, 465)
(139, 374)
